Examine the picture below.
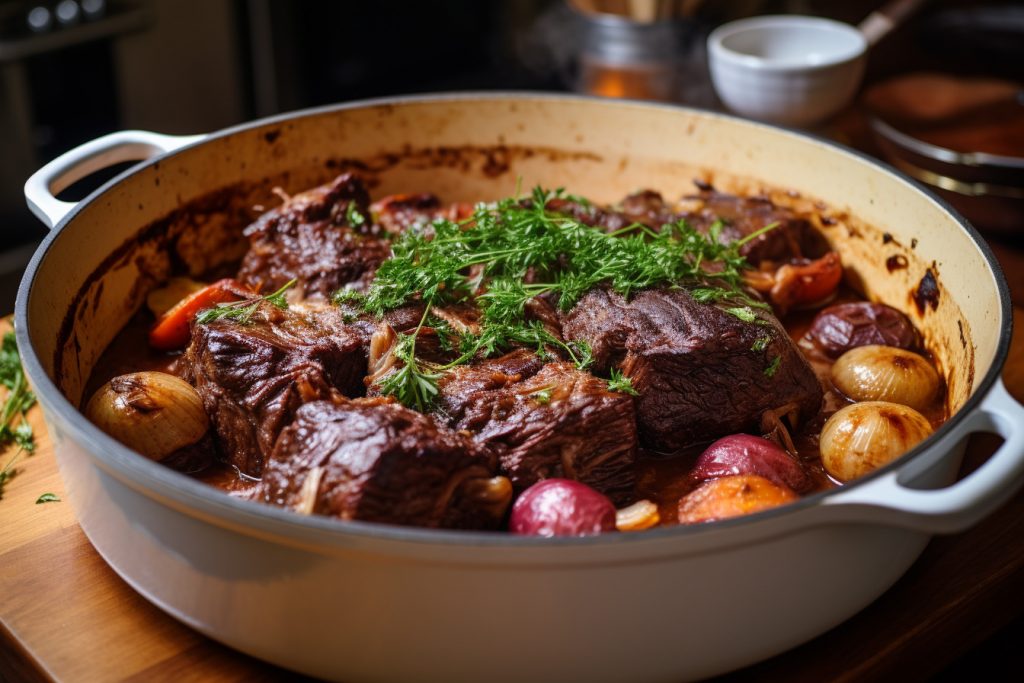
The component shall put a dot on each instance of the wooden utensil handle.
(878, 24)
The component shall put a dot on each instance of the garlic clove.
(153, 413)
(886, 373)
(641, 515)
(862, 437)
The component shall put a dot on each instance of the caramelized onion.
(153, 413)
(862, 437)
(886, 373)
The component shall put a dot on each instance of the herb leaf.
(514, 250)
(19, 399)
(773, 366)
(242, 311)
(621, 383)
(47, 498)
(744, 313)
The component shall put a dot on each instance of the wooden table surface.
(64, 615)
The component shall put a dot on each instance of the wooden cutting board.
(66, 616)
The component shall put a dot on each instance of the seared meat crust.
(253, 377)
(378, 461)
(323, 238)
(694, 365)
(545, 420)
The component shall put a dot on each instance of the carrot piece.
(732, 497)
(171, 330)
(807, 284)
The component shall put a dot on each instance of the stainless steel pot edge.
(190, 495)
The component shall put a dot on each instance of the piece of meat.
(377, 461)
(322, 238)
(648, 208)
(252, 377)
(794, 237)
(544, 421)
(588, 213)
(700, 372)
(397, 213)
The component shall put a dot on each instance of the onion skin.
(747, 454)
(153, 413)
(885, 373)
(561, 507)
(842, 327)
(732, 497)
(862, 437)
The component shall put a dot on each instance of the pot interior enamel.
(898, 244)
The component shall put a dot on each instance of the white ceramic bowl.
(792, 70)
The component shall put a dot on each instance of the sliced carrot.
(171, 330)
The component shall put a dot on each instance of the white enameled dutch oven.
(367, 602)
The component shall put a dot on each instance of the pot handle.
(77, 163)
(955, 508)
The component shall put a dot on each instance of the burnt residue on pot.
(927, 293)
(896, 262)
(271, 136)
(168, 237)
(491, 160)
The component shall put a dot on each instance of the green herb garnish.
(242, 311)
(19, 399)
(621, 383)
(47, 498)
(352, 215)
(761, 343)
(773, 366)
(744, 313)
(542, 396)
(511, 251)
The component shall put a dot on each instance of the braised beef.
(794, 237)
(588, 213)
(323, 238)
(252, 377)
(397, 213)
(544, 421)
(700, 372)
(377, 461)
(649, 208)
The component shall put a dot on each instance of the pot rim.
(200, 499)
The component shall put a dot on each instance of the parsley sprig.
(19, 400)
(511, 251)
(242, 311)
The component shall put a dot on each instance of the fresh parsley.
(621, 383)
(352, 215)
(542, 396)
(772, 367)
(19, 399)
(511, 251)
(48, 498)
(242, 311)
